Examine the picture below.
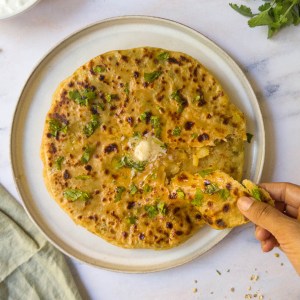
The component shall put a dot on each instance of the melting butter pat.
(149, 149)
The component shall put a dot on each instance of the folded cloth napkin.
(30, 267)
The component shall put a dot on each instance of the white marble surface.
(272, 67)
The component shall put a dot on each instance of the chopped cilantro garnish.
(206, 172)
(137, 135)
(224, 193)
(88, 151)
(180, 194)
(147, 188)
(212, 189)
(126, 89)
(155, 122)
(110, 97)
(84, 98)
(119, 191)
(182, 102)
(75, 194)
(55, 126)
(150, 77)
(162, 208)
(249, 137)
(194, 135)
(163, 56)
(176, 131)
(91, 126)
(130, 163)
(151, 210)
(83, 177)
(145, 116)
(133, 189)
(255, 193)
(132, 219)
(198, 197)
(58, 162)
(99, 69)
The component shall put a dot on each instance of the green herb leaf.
(150, 77)
(91, 126)
(249, 137)
(198, 197)
(119, 191)
(55, 126)
(176, 131)
(151, 210)
(181, 101)
(83, 177)
(137, 135)
(99, 69)
(84, 98)
(206, 172)
(242, 9)
(130, 163)
(162, 208)
(75, 194)
(58, 162)
(87, 153)
(147, 188)
(180, 194)
(132, 219)
(224, 194)
(163, 56)
(155, 122)
(211, 189)
(275, 14)
(126, 89)
(133, 189)
(145, 116)
(255, 193)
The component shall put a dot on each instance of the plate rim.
(143, 18)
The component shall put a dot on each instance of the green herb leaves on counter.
(150, 77)
(275, 14)
(91, 126)
(75, 194)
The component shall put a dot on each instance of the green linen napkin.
(30, 267)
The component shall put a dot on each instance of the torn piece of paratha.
(215, 195)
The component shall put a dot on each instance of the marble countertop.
(273, 69)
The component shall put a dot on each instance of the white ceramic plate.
(34, 102)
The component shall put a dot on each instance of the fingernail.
(244, 203)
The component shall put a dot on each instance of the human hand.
(278, 226)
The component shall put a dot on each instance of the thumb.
(262, 214)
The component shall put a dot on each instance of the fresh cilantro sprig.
(275, 14)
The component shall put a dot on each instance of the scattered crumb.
(218, 272)
(228, 270)
(276, 254)
(232, 289)
(195, 280)
(260, 297)
(195, 290)
(281, 264)
(211, 293)
(249, 288)
(254, 277)
(248, 296)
